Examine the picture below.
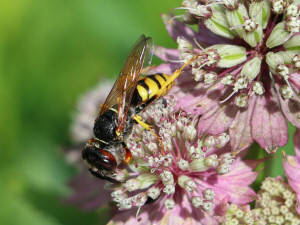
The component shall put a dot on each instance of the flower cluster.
(236, 214)
(275, 205)
(247, 69)
(190, 172)
(87, 110)
(242, 87)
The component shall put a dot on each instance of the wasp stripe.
(149, 86)
(153, 85)
(143, 90)
(154, 78)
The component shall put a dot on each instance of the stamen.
(198, 44)
(226, 99)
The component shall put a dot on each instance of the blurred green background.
(51, 52)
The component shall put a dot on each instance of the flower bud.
(292, 10)
(258, 88)
(211, 160)
(278, 35)
(241, 100)
(186, 183)
(169, 203)
(197, 201)
(169, 189)
(221, 140)
(132, 185)
(208, 194)
(227, 80)
(218, 25)
(153, 193)
(277, 6)
(251, 69)
(231, 55)
(210, 78)
(292, 43)
(286, 92)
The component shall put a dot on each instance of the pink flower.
(187, 184)
(291, 165)
(246, 79)
(87, 110)
(88, 191)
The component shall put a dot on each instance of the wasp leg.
(163, 90)
(138, 119)
(128, 155)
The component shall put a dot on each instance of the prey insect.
(130, 94)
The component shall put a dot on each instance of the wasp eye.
(101, 159)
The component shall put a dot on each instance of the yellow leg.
(174, 76)
(138, 119)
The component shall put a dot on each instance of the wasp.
(130, 94)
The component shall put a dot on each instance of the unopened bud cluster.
(236, 215)
(276, 203)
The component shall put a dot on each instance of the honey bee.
(130, 94)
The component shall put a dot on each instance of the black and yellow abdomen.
(147, 88)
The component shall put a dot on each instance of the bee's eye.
(101, 159)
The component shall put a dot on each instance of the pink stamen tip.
(162, 119)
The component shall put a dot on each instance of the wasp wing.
(121, 93)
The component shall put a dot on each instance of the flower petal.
(89, 192)
(166, 54)
(291, 165)
(296, 140)
(218, 119)
(162, 68)
(235, 184)
(295, 80)
(178, 29)
(202, 99)
(290, 108)
(269, 126)
(240, 129)
(204, 36)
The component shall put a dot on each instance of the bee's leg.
(128, 155)
(165, 87)
(146, 126)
